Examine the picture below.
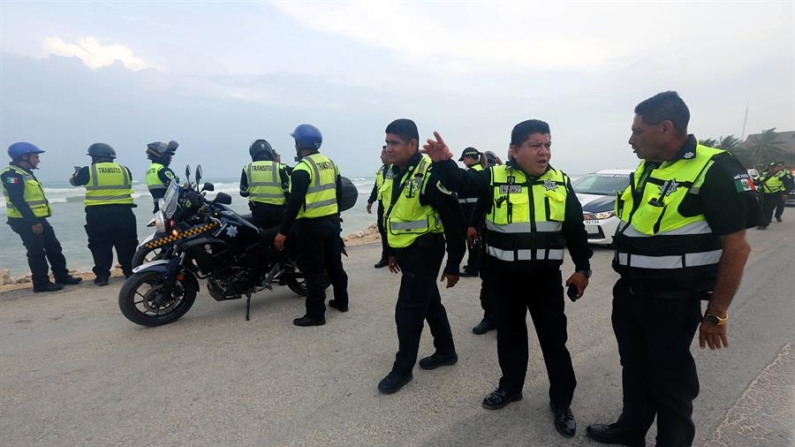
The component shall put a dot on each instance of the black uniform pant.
(474, 252)
(382, 231)
(320, 251)
(769, 203)
(267, 216)
(780, 208)
(419, 300)
(487, 298)
(41, 248)
(539, 290)
(109, 227)
(659, 375)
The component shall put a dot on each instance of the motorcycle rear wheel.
(138, 298)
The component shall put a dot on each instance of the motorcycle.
(197, 238)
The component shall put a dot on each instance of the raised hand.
(437, 149)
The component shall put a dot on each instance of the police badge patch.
(550, 185)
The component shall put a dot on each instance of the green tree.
(709, 142)
(728, 142)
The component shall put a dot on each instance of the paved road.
(74, 372)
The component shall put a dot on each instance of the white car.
(597, 193)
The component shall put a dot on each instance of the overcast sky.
(216, 76)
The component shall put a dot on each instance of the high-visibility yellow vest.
(109, 183)
(33, 195)
(265, 182)
(526, 216)
(654, 243)
(773, 183)
(380, 178)
(408, 219)
(321, 197)
(470, 200)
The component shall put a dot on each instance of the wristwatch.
(587, 273)
(716, 320)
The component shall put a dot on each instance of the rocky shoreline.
(7, 282)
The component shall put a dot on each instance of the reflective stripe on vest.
(264, 182)
(321, 196)
(525, 254)
(653, 234)
(109, 183)
(525, 227)
(669, 262)
(526, 218)
(408, 219)
(33, 195)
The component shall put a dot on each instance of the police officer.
(159, 175)
(419, 215)
(110, 221)
(474, 161)
(27, 210)
(266, 184)
(789, 184)
(533, 217)
(383, 173)
(315, 191)
(681, 240)
(774, 183)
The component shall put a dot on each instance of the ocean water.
(69, 217)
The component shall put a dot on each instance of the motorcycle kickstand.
(248, 305)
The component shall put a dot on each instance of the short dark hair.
(665, 106)
(522, 131)
(405, 129)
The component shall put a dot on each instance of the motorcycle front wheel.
(144, 255)
(143, 301)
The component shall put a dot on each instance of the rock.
(360, 234)
(5, 277)
(24, 279)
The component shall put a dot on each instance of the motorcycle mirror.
(198, 174)
(187, 173)
(208, 187)
(224, 198)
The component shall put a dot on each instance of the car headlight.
(598, 216)
(160, 222)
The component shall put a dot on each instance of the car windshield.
(602, 184)
(170, 200)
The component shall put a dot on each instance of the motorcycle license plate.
(591, 222)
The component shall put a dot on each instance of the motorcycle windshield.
(170, 200)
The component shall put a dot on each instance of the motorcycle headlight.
(160, 222)
(599, 216)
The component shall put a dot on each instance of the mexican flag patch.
(744, 184)
(12, 180)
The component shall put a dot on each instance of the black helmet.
(101, 150)
(260, 149)
(171, 147)
(159, 150)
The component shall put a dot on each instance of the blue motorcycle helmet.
(308, 137)
(17, 150)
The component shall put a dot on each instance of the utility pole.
(745, 121)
